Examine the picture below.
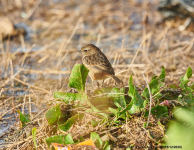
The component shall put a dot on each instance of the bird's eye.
(85, 50)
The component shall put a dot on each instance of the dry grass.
(32, 70)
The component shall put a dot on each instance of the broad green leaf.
(189, 99)
(154, 88)
(78, 77)
(34, 130)
(95, 110)
(68, 97)
(96, 138)
(68, 124)
(172, 86)
(158, 112)
(82, 139)
(118, 96)
(162, 75)
(99, 113)
(106, 145)
(122, 113)
(63, 117)
(185, 79)
(53, 115)
(102, 103)
(107, 99)
(60, 139)
(154, 85)
(146, 93)
(107, 148)
(136, 101)
(102, 99)
(103, 90)
(192, 86)
(179, 129)
(24, 118)
(82, 97)
(112, 110)
(94, 123)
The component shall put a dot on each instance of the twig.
(150, 99)
(134, 58)
(12, 109)
(9, 79)
(47, 71)
(38, 88)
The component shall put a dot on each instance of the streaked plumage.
(97, 63)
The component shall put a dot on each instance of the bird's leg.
(115, 83)
(120, 84)
(98, 85)
(102, 83)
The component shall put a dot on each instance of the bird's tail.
(118, 80)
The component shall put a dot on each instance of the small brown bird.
(98, 65)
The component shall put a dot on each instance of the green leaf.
(106, 146)
(172, 86)
(155, 85)
(82, 97)
(192, 86)
(53, 115)
(118, 96)
(60, 139)
(68, 124)
(158, 111)
(154, 88)
(34, 130)
(184, 127)
(95, 110)
(94, 123)
(136, 101)
(162, 75)
(103, 90)
(112, 110)
(122, 113)
(146, 93)
(82, 139)
(105, 96)
(96, 138)
(185, 79)
(78, 77)
(24, 118)
(68, 97)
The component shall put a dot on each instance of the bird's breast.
(96, 74)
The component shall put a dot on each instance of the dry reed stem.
(150, 100)
(38, 88)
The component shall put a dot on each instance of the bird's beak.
(79, 51)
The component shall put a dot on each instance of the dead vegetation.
(127, 32)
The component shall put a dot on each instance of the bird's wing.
(99, 62)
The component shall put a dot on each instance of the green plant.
(111, 105)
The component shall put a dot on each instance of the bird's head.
(89, 50)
